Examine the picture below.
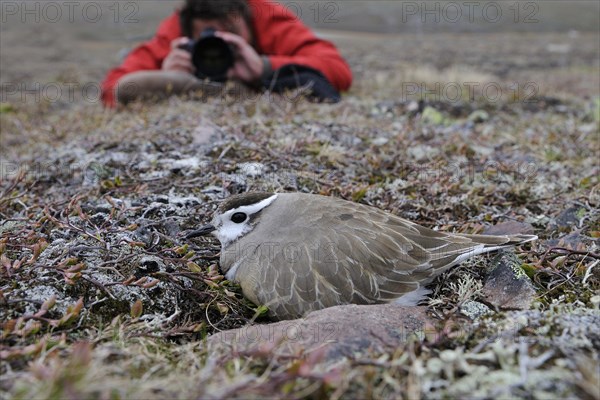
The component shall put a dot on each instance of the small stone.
(507, 286)
(569, 217)
(509, 228)
(570, 241)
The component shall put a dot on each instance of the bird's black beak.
(205, 230)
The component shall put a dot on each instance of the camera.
(211, 55)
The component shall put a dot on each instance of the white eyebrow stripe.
(252, 208)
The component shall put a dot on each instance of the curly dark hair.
(212, 9)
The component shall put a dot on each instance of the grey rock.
(341, 331)
(569, 217)
(509, 228)
(507, 286)
(571, 241)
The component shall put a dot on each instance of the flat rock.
(341, 331)
(509, 228)
(574, 241)
(507, 286)
(569, 217)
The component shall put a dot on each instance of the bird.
(298, 252)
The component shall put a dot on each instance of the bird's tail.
(481, 244)
(499, 241)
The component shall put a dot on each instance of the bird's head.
(235, 217)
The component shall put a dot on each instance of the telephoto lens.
(211, 55)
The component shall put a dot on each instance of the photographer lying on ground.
(256, 42)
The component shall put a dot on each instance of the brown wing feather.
(345, 253)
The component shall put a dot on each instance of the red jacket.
(278, 33)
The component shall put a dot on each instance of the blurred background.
(78, 41)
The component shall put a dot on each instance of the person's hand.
(248, 65)
(179, 59)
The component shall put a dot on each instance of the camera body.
(211, 55)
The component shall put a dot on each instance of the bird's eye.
(238, 217)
